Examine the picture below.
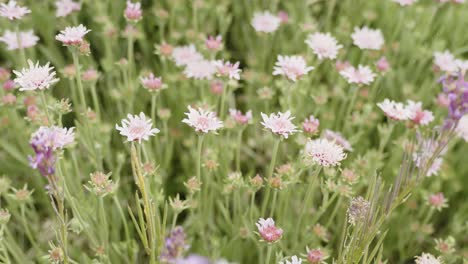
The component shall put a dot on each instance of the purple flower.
(456, 88)
(175, 246)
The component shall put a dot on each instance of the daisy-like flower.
(367, 38)
(445, 61)
(152, 83)
(279, 123)
(202, 120)
(310, 125)
(419, 116)
(228, 69)
(338, 138)
(265, 22)
(268, 230)
(294, 260)
(200, 70)
(66, 7)
(72, 35)
(315, 256)
(293, 67)
(395, 111)
(462, 128)
(324, 152)
(137, 128)
(438, 201)
(382, 65)
(214, 43)
(13, 11)
(435, 167)
(185, 54)
(133, 11)
(35, 77)
(27, 39)
(427, 258)
(405, 2)
(240, 118)
(361, 75)
(324, 45)
(53, 137)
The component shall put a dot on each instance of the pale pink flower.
(419, 116)
(445, 61)
(338, 138)
(361, 75)
(283, 16)
(200, 70)
(395, 111)
(324, 45)
(341, 65)
(214, 43)
(383, 65)
(324, 152)
(133, 11)
(279, 123)
(72, 35)
(265, 22)
(27, 39)
(442, 100)
(152, 83)
(268, 230)
(438, 201)
(13, 11)
(427, 258)
(202, 120)
(462, 128)
(315, 256)
(185, 54)
(293, 67)
(216, 87)
(9, 85)
(228, 69)
(462, 65)
(435, 167)
(240, 118)
(9, 99)
(137, 128)
(66, 7)
(35, 77)
(311, 125)
(294, 260)
(367, 38)
(405, 2)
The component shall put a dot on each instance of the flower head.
(361, 75)
(27, 39)
(462, 128)
(383, 65)
(310, 125)
(315, 256)
(72, 35)
(279, 123)
(338, 138)
(231, 70)
(293, 67)
(419, 116)
(367, 38)
(66, 7)
(202, 120)
(405, 2)
(324, 45)
(36, 77)
(358, 210)
(175, 245)
(240, 118)
(13, 11)
(185, 54)
(324, 152)
(395, 111)
(214, 43)
(294, 260)
(152, 83)
(265, 22)
(268, 230)
(438, 201)
(200, 70)
(427, 258)
(445, 61)
(137, 128)
(133, 11)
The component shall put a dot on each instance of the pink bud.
(9, 85)
(216, 87)
(9, 99)
(213, 43)
(315, 256)
(133, 11)
(383, 65)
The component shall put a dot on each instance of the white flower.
(361, 75)
(72, 35)
(324, 152)
(27, 39)
(13, 11)
(268, 230)
(265, 22)
(293, 67)
(137, 128)
(462, 65)
(395, 111)
(462, 128)
(405, 2)
(66, 7)
(445, 61)
(201, 69)
(202, 120)
(367, 38)
(324, 45)
(427, 258)
(35, 77)
(419, 116)
(294, 260)
(338, 139)
(185, 54)
(279, 123)
(228, 69)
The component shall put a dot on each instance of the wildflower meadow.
(234, 131)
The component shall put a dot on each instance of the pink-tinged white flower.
(66, 7)
(294, 260)
(427, 258)
(405, 2)
(200, 70)
(53, 137)
(279, 123)
(462, 128)
(462, 65)
(13, 11)
(72, 35)
(202, 121)
(293, 67)
(228, 69)
(283, 16)
(361, 75)
(383, 65)
(367, 38)
(35, 77)
(311, 125)
(185, 54)
(265, 22)
(240, 118)
(419, 116)
(137, 128)
(315, 256)
(445, 61)
(395, 111)
(214, 43)
(338, 138)
(435, 167)
(133, 11)
(152, 83)
(324, 45)
(324, 152)
(268, 230)
(27, 39)
(438, 201)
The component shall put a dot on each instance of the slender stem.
(270, 174)
(238, 152)
(154, 97)
(46, 108)
(351, 104)
(223, 101)
(270, 249)
(81, 94)
(199, 153)
(21, 48)
(95, 100)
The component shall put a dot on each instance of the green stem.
(238, 152)
(270, 249)
(81, 94)
(270, 174)
(21, 48)
(199, 153)
(46, 108)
